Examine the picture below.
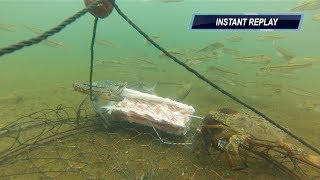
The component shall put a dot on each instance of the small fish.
(284, 53)
(260, 58)
(174, 53)
(153, 37)
(270, 37)
(211, 47)
(200, 59)
(234, 38)
(228, 81)
(104, 89)
(312, 58)
(142, 60)
(193, 62)
(53, 43)
(7, 27)
(220, 69)
(184, 91)
(316, 18)
(309, 105)
(285, 67)
(33, 29)
(307, 5)
(301, 92)
(230, 51)
(47, 42)
(103, 42)
(108, 62)
(4, 61)
(12, 98)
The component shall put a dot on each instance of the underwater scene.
(145, 116)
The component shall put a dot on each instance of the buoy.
(102, 10)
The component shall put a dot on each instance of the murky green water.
(41, 76)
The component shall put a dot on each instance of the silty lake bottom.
(42, 136)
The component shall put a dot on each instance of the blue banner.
(246, 21)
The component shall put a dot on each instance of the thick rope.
(51, 32)
(92, 53)
(211, 83)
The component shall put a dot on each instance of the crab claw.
(233, 146)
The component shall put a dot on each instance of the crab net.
(63, 143)
(67, 142)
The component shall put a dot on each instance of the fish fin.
(279, 54)
(147, 88)
(274, 44)
(151, 89)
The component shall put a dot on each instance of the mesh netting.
(67, 143)
(55, 143)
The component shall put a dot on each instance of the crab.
(220, 136)
(238, 133)
(227, 130)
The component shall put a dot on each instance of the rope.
(51, 32)
(209, 82)
(92, 53)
